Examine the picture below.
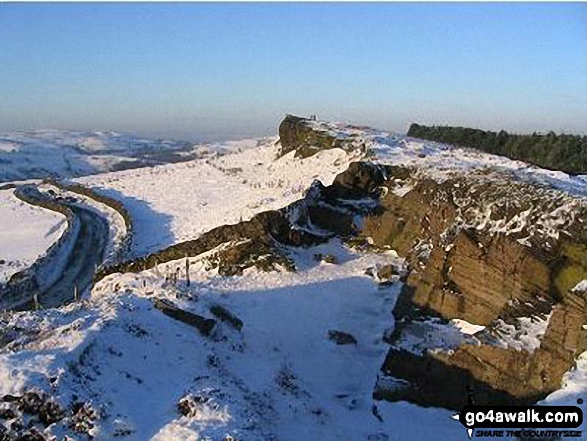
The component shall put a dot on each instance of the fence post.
(187, 270)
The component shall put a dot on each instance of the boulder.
(341, 338)
(203, 325)
(223, 314)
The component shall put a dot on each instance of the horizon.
(211, 72)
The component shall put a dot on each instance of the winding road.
(84, 256)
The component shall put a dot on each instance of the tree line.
(567, 153)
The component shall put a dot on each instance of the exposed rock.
(327, 258)
(288, 382)
(27, 415)
(190, 405)
(223, 314)
(31, 402)
(50, 412)
(17, 425)
(359, 180)
(83, 418)
(235, 258)
(202, 324)
(386, 273)
(341, 338)
(186, 408)
(330, 219)
(7, 413)
(297, 134)
(465, 265)
(40, 404)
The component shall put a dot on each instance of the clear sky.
(213, 71)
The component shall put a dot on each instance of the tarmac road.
(82, 261)
(87, 254)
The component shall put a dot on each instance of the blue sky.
(214, 71)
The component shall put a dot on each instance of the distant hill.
(567, 153)
(40, 154)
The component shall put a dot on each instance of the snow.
(41, 153)
(465, 327)
(281, 378)
(525, 334)
(574, 387)
(27, 232)
(178, 202)
(432, 334)
(581, 286)
(548, 217)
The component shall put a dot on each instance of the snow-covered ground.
(442, 161)
(178, 202)
(41, 153)
(280, 378)
(26, 232)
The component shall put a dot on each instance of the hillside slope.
(306, 312)
(563, 152)
(25, 234)
(64, 154)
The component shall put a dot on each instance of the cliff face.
(468, 264)
(488, 306)
(497, 252)
(306, 139)
(509, 275)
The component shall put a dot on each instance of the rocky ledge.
(492, 303)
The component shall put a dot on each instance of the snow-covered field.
(41, 153)
(26, 232)
(177, 202)
(442, 161)
(281, 377)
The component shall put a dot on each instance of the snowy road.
(81, 262)
(86, 255)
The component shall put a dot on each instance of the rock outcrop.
(506, 268)
(483, 247)
(489, 302)
(300, 135)
(202, 324)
